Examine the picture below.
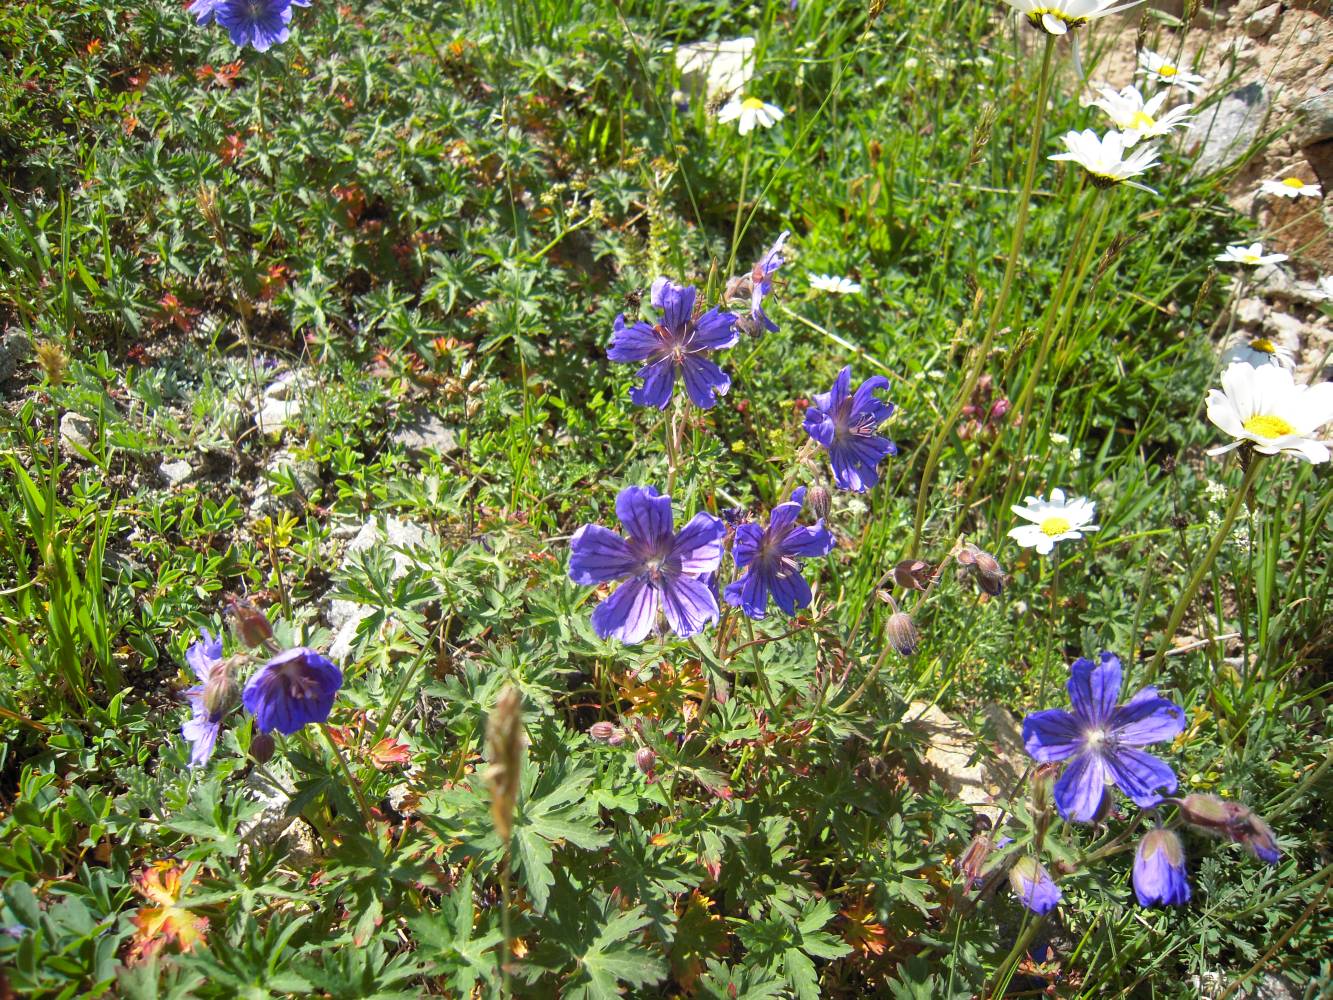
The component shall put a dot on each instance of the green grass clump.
(423, 213)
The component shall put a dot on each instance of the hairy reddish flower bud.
(985, 567)
(249, 624)
(220, 690)
(645, 760)
(607, 732)
(972, 865)
(261, 748)
(913, 574)
(819, 499)
(1233, 820)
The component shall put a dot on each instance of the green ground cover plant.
(486, 514)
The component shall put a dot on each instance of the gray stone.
(14, 347)
(77, 431)
(427, 433)
(401, 538)
(174, 472)
(273, 824)
(1314, 120)
(977, 775)
(275, 414)
(289, 385)
(1263, 21)
(716, 70)
(1250, 312)
(1284, 328)
(1224, 136)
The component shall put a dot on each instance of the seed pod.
(913, 574)
(902, 633)
(505, 742)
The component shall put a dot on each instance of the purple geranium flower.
(676, 344)
(1101, 740)
(673, 570)
(294, 688)
(771, 554)
(208, 703)
(258, 23)
(1033, 885)
(1159, 870)
(845, 424)
(761, 283)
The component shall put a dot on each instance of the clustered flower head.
(292, 689)
(1104, 158)
(1054, 520)
(675, 346)
(260, 24)
(1267, 408)
(1140, 119)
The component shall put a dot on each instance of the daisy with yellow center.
(1267, 407)
(1053, 520)
(1161, 70)
(1252, 255)
(1139, 119)
(1104, 158)
(1258, 351)
(1291, 187)
(1057, 17)
(750, 111)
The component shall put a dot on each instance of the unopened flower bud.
(913, 574)
(1233, 820)
(1041, 788)
(603, 731)
(819, 499)
(999, 408)
(221, 691)
(645, 760)
(261, 748)
(985, 567)
(972, 865)
(902, 633)
(1159, 870)
(1033, 885)
(249, 624)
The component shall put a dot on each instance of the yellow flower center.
(1266, 425)
(1035, 16)
(1250, 258)
(1053, 526)
(1167, 70)
(1142, 120)
(1293, 182)
(751, 104)
(1263, 345)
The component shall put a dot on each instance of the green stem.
(504, 926)
(1050, 631)
(357, 790)
(1005, 970)
(740, 207)
(1205, 565)
(855, 696)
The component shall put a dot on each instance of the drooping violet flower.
(761, 283)
(664, 568)
(1159, 870)
(769, 557)
(210, 699)
(675, 345)
(1101, 740)
(293, 689)
(1033, 885)
(845, 424)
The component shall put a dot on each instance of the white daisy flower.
(1137, 118)
(1269, 408)
(751, 111)
(1056, 17)
(1162, 70)
(1258, 351)
(1104, 159)
(1053, 520)
(834, 283)
(1291, 187)
(1253, 255)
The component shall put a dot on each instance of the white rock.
(950, 748)
(305, 473)
(289, 385)
(716, 70)
(401, 538)
(175, 472)
(77, 431)
(1250, 312)
(1284, 328)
